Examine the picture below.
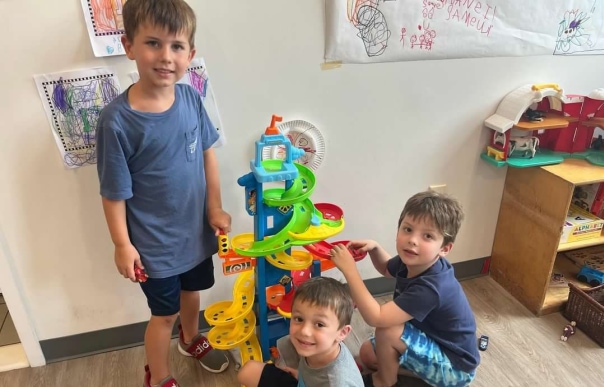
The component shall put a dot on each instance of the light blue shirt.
(154, 161)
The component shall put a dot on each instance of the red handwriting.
(473, 13)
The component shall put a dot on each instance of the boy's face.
(315, 334)
(161, 57)
(419, 243)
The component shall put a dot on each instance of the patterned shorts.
(425, 358)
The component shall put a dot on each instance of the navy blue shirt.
(154, 161)
(440, 309)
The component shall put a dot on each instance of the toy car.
(591, 276)
(483, 342)
(140, 274)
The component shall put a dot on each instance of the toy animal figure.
(534, 115)
(526, 144)
(568, 331)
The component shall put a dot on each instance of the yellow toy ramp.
(226, 312)
(250, 350)
(298, 260)
(232, 335)
(320, 232)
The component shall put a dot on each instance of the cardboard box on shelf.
(589, 197)
(580, 225)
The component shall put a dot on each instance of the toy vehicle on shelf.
(590, 276)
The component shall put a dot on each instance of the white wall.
(392, 129)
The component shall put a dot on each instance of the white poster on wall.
(73, 101)
(197, 77)
(365, 31)
(105, 26)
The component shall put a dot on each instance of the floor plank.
(524, 350)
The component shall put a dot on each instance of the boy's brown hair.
(328, 293)
(444, 211)
(174, 15)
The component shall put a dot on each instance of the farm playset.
(540, 125)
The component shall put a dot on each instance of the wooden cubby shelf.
(526, 249)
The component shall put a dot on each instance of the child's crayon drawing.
(359, 31)
(105, 25)
(73, 101)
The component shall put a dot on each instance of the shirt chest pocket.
(191, 144)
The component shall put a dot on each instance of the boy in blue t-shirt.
(428, 329)
(159, 183)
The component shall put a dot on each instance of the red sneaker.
(167, 382)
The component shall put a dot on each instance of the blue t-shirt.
(440, 309)
(154, 161)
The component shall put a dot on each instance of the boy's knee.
(391, 336)
(165, 320)
(367, 356)
(249, 374)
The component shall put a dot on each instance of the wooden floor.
(524, 351)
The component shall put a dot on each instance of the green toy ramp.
(301, 189)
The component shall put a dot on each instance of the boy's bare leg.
(249, 374)
(388, 349)
(369, 361)
(157, 346)
(189, 314)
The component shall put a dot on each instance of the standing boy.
(429, 328)
(159, 182)
(321, 314)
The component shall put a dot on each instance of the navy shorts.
(275, 376)
(163, 294)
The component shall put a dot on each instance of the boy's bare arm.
(218, 218)
(376, 315)
(379, 256)
(126, 255)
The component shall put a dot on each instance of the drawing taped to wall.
(365, 31)
(105, 25)
(197, 77)
(72, 102)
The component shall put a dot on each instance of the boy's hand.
(126, 256)
(219, 220)
(365, 245)
(292, 371)
(341, 257)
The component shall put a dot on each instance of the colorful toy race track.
(284, 218)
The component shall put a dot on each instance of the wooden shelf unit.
(533, 209)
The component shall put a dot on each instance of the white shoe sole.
(214, 371)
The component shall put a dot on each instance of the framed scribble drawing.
(365, 31)
(105, 25)
(197, 77)
(72, 102)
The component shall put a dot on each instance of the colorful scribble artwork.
(73, 101)
(197, 76)
(575, 32)
(105, 25)
(371, 24)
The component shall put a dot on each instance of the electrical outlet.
(440, 188)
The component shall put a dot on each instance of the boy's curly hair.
(174, 15)
(444, 211)
(328, 293)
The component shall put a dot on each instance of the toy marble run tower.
(287, 247)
